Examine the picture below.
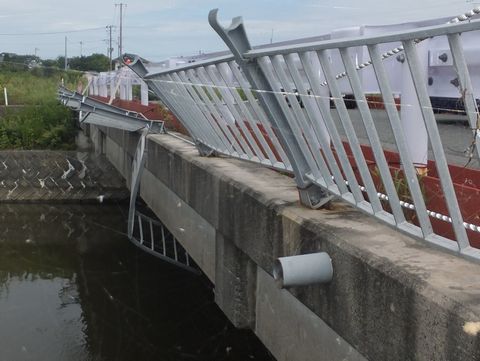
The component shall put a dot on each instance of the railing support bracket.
(314, 197)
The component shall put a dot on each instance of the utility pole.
(110, 48)
(120, 41)
(81, 48)
(36, 49)
(66, 62)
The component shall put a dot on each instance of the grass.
(39, 121)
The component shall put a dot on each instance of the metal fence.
(283, 107)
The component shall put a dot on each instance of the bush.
(39, 121)
(48, 125)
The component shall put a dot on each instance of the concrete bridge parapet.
(391, 298)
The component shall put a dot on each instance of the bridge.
(317, 235)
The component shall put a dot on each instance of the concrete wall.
(63, 176)
(392, 297)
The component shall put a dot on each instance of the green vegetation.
(34, 118)
(48, 125)
(33, 86)
(94, 62)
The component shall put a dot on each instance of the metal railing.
(153, 237)
(145, 232)
(95, 112)
(273, 106)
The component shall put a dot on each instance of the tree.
(94, 62)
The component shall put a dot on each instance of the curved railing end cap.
(214, 23)
(130, 59)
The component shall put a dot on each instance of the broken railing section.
(272, 106)
(95, 112)
(153, 237)
(143, 231)
(136, 64)
(116, 83)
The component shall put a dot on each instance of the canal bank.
(58, 176)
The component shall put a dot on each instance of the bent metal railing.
(273, 106)
(144, 232)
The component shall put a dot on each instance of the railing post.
(95, 85)
(466, 89)
(235, 37)
(137, 168)
(143, 93)
(112, 78)
(102, 85)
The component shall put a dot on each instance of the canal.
(72, 287)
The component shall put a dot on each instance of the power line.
(50, 33)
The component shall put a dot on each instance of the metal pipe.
(303, 270)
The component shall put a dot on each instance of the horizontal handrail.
(419, 33)
(193, 65)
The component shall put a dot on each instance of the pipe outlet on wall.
(303, 270)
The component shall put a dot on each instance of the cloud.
(172, 27)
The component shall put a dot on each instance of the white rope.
(432, 214)
(286, 93)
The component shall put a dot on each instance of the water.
(72, 287)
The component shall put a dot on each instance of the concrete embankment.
(392, 297)
(49, 176)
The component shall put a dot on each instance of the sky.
(158, 29)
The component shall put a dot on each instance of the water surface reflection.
(73, 288)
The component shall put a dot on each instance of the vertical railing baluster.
(259, 113)
(193, 114)
(140, 226)
(187, 110)
(224, 111)
(395, 123)
(141, 71)
(216, 137)
(205, 97)
(436, 144)
(294, 117)
(314, 119)
(350, 133)
(466, 89)
(175, 252)
(222, 69)
(164, 243)
(311, 65)
(152, 238)
(222, 88)
(373, 137)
